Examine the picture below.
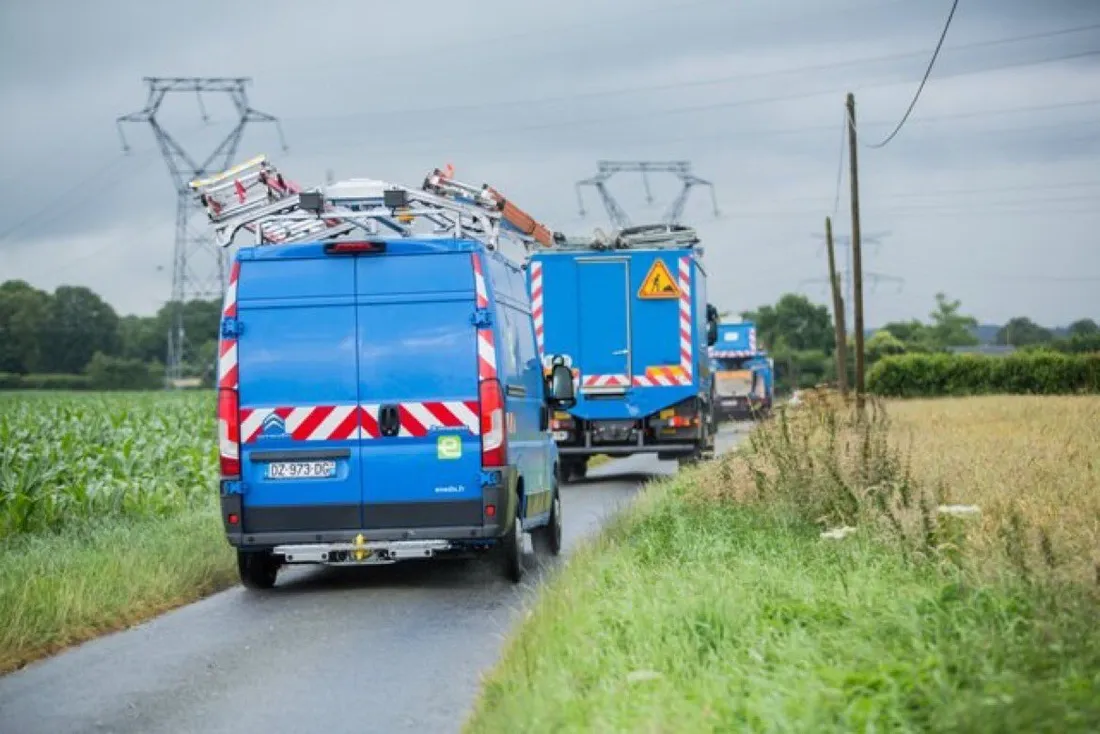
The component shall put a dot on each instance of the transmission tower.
(618, 216)
(198, 264)
(844, 242)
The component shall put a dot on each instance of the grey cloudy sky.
(990, 193)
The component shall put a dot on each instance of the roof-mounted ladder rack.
(441, 182)
(256, 197)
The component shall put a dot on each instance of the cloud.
(529, 98)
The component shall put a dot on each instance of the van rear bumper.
(267, 527)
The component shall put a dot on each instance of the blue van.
(380, 398)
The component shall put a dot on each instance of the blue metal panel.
(603, 286)
(296, 350)
(572, 329)
(529, 447)
(417, 348)
(655, 322)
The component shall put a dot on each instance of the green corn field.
(68, 458)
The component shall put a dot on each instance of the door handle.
(621, 352)
(389, 422)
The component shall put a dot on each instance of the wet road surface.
(383, 649)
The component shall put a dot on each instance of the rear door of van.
(418, 379)
(299, 391)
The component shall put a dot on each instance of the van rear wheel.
(511, 552)
(257, 569)
(547, 539)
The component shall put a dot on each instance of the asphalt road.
(384, 649)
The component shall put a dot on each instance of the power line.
(650, 114)
(924, 80)
(670, 86)
(80, 185)
(840, 162)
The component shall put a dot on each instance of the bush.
(1025, 373)
(54, 382)
(119, 373)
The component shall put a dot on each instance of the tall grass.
(107, 514)
(728, 600)
(1026, 470)
(68, 458)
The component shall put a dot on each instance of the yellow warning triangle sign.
(659, 283)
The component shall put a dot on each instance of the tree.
(914, 335)
(1084, 327)
(1022, 331)
(794, 323)
(81, 324)
(949, 328)
(24, 316)
(142, 337)
(883, 344)
(200, 324)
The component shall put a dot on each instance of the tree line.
(73, 338)
(800, 337)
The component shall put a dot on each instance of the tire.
(574, 470)
(547, 539)
(511, 553)
(257, 569)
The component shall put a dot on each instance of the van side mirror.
(560, 389)
(713, 317)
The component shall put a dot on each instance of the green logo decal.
(449, 447)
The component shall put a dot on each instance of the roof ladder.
(441, 182)
(246, 195)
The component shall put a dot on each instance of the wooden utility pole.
(857, 252)
(838, 313)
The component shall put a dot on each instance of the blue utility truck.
(744, 383)
(379, 396)
(629, 316)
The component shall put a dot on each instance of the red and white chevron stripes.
(686, 348)
(227, 348)
(604, 381)
(486, 349)
(536, 304)
(349, 421)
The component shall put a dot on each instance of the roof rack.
(254, 196)
(442, 183)
(643, 235)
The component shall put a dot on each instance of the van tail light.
(354, 248)
(493, 443)
(229, 433)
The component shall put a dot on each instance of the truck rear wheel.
(257, 569)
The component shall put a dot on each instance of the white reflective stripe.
(227, 361)
(479, 284)
(252, 423)
(485, 348)
(296, 418)
(338, 415)
(422, 415)
(226, 447)
(463, 413)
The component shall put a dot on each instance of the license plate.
(301, 469)
(561, 435)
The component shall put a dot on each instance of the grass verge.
(60, 589)
(716, 604)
